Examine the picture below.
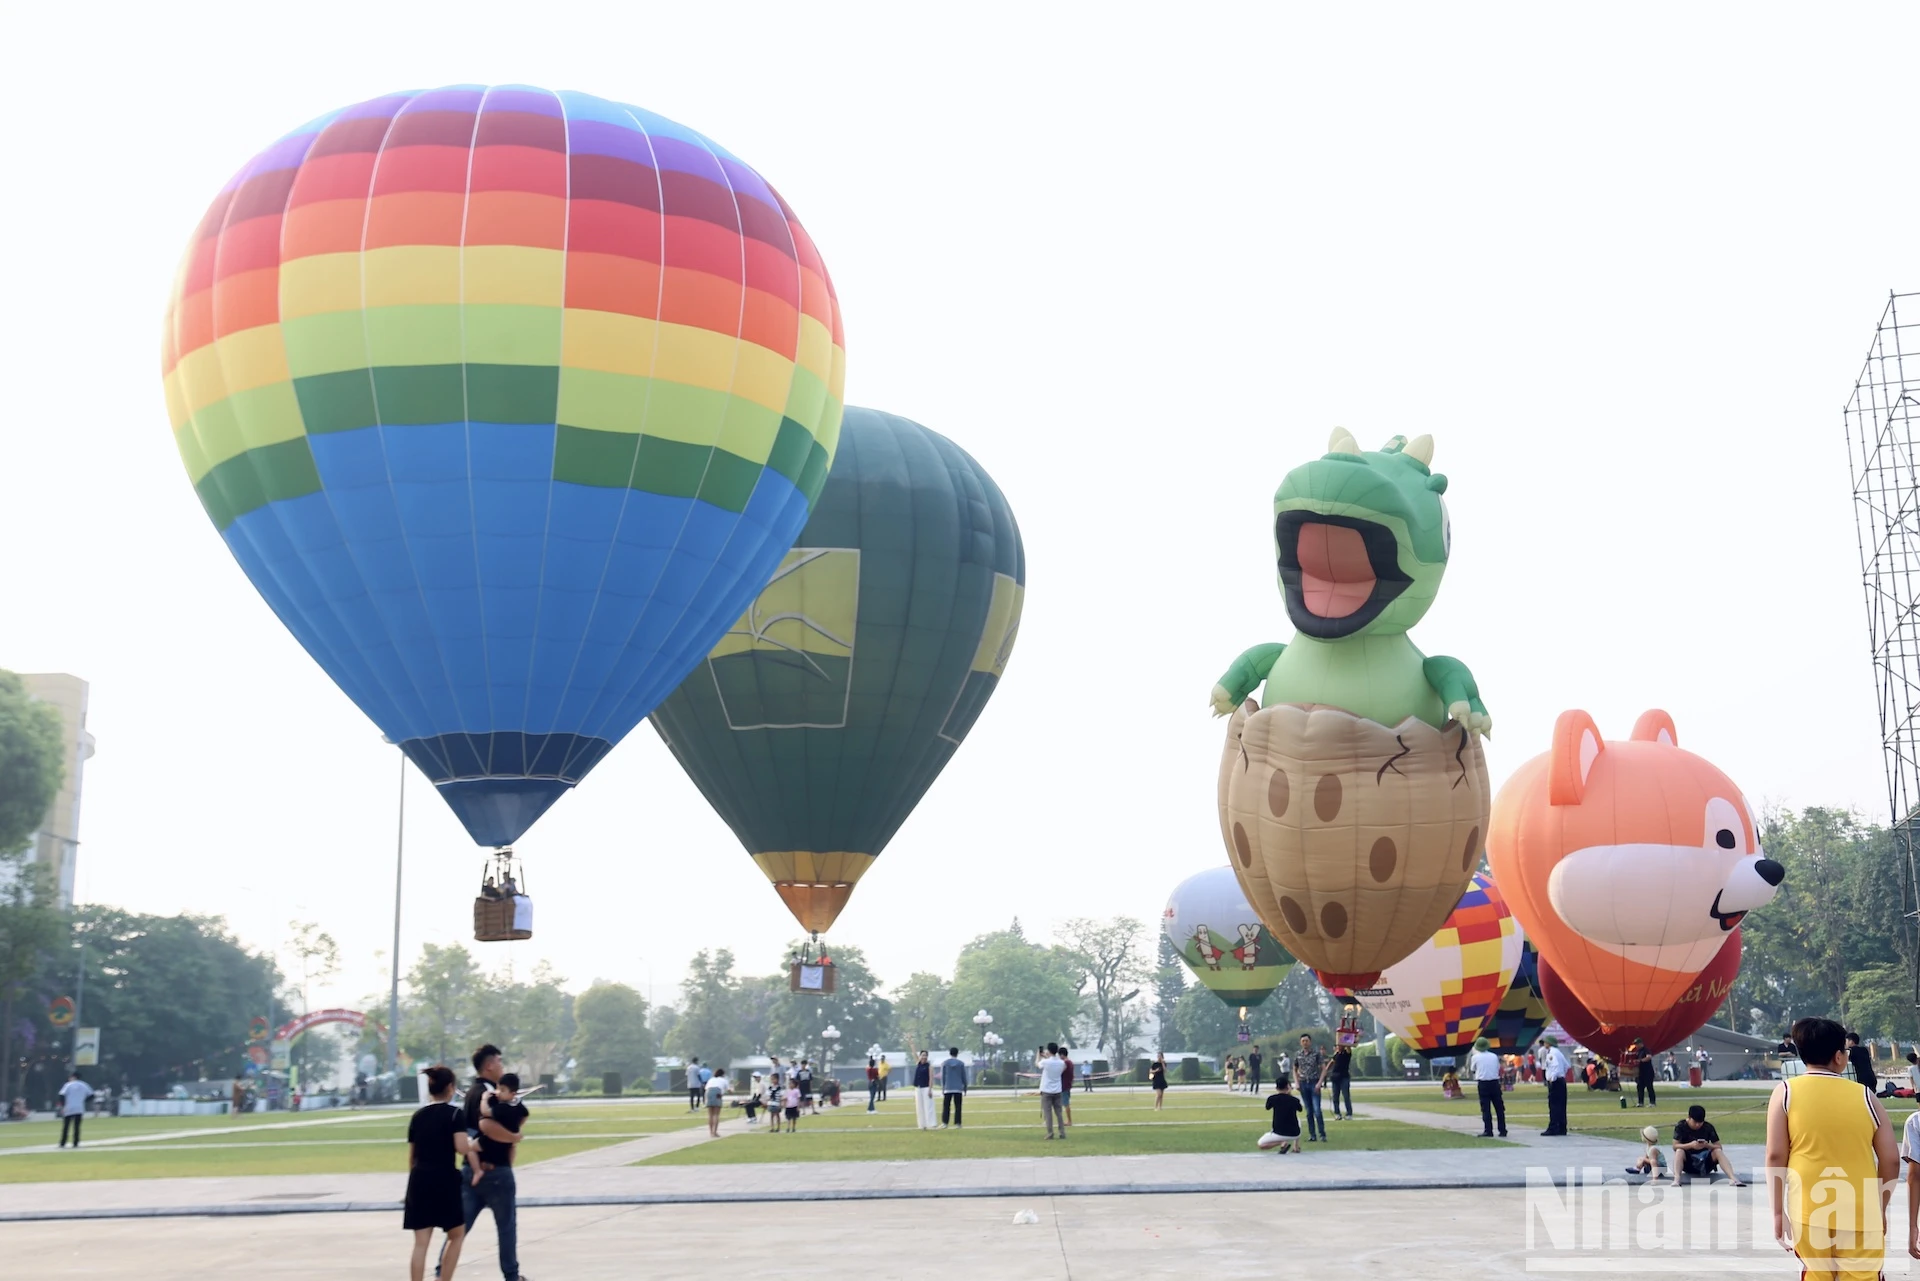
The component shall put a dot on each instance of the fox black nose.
(1770, 872)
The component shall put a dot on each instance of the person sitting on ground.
(1653, 1161)
(1283, 1133)
(1697, 1150)
(503, 1108)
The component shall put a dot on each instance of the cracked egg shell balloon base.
(1353, 840)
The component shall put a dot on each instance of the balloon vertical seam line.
(380, 435)
(646, 413)
(466, 416)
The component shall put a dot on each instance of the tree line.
(174, 994)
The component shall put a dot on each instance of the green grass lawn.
(1740, 1115)
(340, 1158)
(1108, 1124)
(308, 1143)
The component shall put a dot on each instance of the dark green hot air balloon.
(819, 721)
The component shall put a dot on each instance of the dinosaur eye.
(1725, 838)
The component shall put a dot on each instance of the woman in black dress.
(435, 1136)
(1157, 1078)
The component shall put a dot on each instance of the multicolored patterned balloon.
(1222, 940)
(1523, 1015)
(508, 401)
(1441, 997)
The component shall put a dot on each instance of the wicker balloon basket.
(503, 910)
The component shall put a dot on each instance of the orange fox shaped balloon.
(1627, 863)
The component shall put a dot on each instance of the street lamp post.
(829, 1037)
(79, 991)
(983, 1021)
(993, 1042)
(393, 990)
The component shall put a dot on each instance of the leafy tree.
(1880, 1003)
(171, 994)
(533, 1021)
(661, 1021)
(710, 1024)
(611, 1033)
(1169, 981)
(32, 761)
(317, 956)
(1207, 1024)
(1030, 991)
(920, 1010)
(1838, 913)
(759, 998)
(855, 1007)
(437, 1019)
(1108, 956)
(31, 931)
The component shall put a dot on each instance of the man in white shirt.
(1554, 1068)
(73, 1107)
(1052, 1068)
(1484, 1064)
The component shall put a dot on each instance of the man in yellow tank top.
(1831, 1162)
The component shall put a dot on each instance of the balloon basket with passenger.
(503, 910)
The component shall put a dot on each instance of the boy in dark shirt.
(1697, 1150)
(503, 1106)
(1285, 1134)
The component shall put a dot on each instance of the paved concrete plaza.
(1416, 1212)
(1477, 1233)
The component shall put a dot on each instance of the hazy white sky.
(1624, 267)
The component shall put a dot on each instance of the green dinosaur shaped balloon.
(1353, 796)
(1362, 541)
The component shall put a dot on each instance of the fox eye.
(1725, 839)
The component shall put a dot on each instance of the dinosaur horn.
(1342, 442)
(1420, 448)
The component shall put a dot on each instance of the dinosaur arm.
(1459, 692)
(1244, 676)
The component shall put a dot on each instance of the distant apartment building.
(57, 843)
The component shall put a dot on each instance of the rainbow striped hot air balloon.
(509, 402)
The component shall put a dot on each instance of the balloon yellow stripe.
(815, 350)
(515, 274)
(319, 284)
(610, 343)
(411, 276)
(813, 867)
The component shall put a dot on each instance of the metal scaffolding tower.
(1884, 460)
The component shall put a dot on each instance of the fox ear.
(1656, 726)
(1576, 746)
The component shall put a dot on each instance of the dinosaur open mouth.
(1339, 572)
(1728, 920)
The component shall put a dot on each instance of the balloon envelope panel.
(1523, 1015)
(823, 716)
(1222, 939)
(507, 401)
(1695, 1008)
(1440, 998)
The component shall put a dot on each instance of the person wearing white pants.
(925, 1115)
